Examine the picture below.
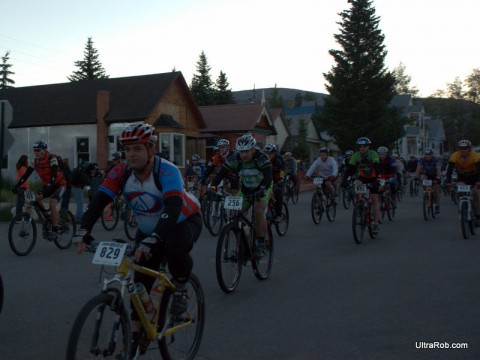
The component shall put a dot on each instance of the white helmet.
(245, 142)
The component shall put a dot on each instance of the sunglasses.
(37, 150)
(362, 146)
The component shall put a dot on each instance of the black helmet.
(270, 148)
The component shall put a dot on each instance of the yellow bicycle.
(102, 329)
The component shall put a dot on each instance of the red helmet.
(138, 133)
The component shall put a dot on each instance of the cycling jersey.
(388, 167)
(465, 166)
(326, 168)
(216, 164)
(278, 168)
(429, 167)
(197, 169)
(366, 164)
(412, 165)
(291, 166)
(146, 199)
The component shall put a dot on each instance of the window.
(174, 145)
(83, 154)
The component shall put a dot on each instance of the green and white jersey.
(250, 173)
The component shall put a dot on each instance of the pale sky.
(259, 43)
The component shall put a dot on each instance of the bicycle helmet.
(195, 157)
(117, 155)
(269, 148)
(323, 149)
(382, 150)
(363, 141)
(464, 144)
(245, 142)
(476, 149)
(223, 142)
(40, 144)
(348, 153)
(288, 153)
(428, 151)
(138, 133)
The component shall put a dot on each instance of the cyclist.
(47, 166)
(169, 220)
(429, 168)
(388, 172)
(195, 168)
(367, 164)
(291, 167)
(467, 165)
(222, 154)
(343, 166)
(327, 168)
(278, 173)
(116, 158)
(255, 171)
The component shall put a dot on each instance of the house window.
(83, 154)
(174, 145)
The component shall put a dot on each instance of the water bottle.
(147, 302)
(156, 295)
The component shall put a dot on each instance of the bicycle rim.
(93, 330)
(390, 209)
(358, 223)
(425, 207)
(295, 195)
(130, 224)
(464, 220)
(183, 333)
(22, 236)
(110, 216)
(66, 231)
(262, 266)
(228, 259)
(214, 217)
(282, 227)
(346, 199)
(331, 210)
(316, 208)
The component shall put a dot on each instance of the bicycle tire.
(110, 221)
(369, 220)
(316, 208)
(22, 236)
(358, 223)
(185, 341)
(66, 232)
(92, 331)
(282, 227)
(228, 258)
(346, 198)
(331, 210)
(464, 220)
(214, 216)
(425, 207)
(130, 224)
(295, 194)
(431, 205)
(262, 266)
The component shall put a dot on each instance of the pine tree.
(473, 83)
(223, 95)
(90, 68)
(5, 72)
(202, 85)
(402, 81)
(359, 85)
(275, 101)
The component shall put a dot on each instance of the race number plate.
(361, 189)
(381, 182)
(318, 181)
(29, 196)
(109, 253)
(233, 202)
(463, 188)
(427, 182)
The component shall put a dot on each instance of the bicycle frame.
(464, 196)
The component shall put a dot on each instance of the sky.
(256, 43)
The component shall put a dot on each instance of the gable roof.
(131, 99)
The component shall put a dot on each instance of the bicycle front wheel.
(214, 216)
(262, 265)
(110, 216)
(295, 193)
(331, 210)
(67, 229)
(228, 258)
(464, 220)
(358, 223)
(130, 224)
(317, 208)
(101, 329)
(426, 207)
(183, 333)
(282, 226)
(22, 235)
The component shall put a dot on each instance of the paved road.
(327, 298)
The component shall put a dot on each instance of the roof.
(131, 99)
(300, 110)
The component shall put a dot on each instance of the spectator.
(95, 178)
(79, 180)
(67, 172)
(22, 165)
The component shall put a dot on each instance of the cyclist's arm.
(221, 174)
(25, 176)
(99, 201)
(450, 167)
(173, 207)
(267, 176)
(334, 167)
(312, 168)
(53, 176)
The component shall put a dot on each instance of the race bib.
(109, 253)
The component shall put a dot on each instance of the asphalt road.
(416, 285)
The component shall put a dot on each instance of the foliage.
(300, 150)
(402, 81)
(90, 68)
(202, 85)
(359, 85)
(473, 83)
(5, 72)
(222, 94)
(275, 101)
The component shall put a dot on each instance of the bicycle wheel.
(331, 209)
(214, 216)
(228, 258)
(262, 266)
(22, 235)
(387, 208)
(454, 197)
(346, 198)
(416, 188)
(287, 193)
(110, 216)
(130, 224)
(67, 229)
(295, 194)
(101, 329)
(464, 220)
(317, 208)
(426, 207)
(282, 226)
(431, 205)
(183, 334)
(358, 223)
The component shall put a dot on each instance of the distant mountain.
(288, 95)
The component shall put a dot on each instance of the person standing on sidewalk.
(79, 179)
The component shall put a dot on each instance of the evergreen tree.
(5, 72)
(473, 83)
(402, 81)
(359, 85)
(90, 68)
(223, 95)
(202, 85)
(275, 101)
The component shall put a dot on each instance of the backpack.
(156, 172)
(78, 177)
(61, 166)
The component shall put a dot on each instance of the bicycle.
(130, 224)
(362, 217)
(237, 244)
(22, 233)
(321, 202)
(214, 215)
(348, 194)
(428, 205)
(113, 212)
(413, 185)
(386, 201)
(290, 190)
(102, 328)
(281, 226)
(465, 210)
